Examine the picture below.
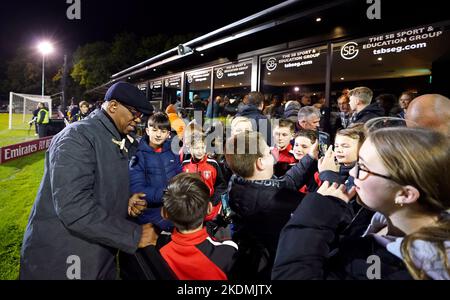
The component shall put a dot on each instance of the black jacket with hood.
(371, 111)
(262, 208)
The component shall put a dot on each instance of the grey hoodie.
(424, 254)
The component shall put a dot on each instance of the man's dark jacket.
(80, 211)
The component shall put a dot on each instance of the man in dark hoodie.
(253, 110)
(363, 111)
(262, 203)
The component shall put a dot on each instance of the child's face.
(267, 162)
(375, 192)
(198, 150)
(84, 109)
(346, 149)
(302, 146)
(157, 136)
(283, 136)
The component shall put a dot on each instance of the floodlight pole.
(43, 74)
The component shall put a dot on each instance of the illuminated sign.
(199, 76)
(394, 42)
(235, 70)
(293, 60)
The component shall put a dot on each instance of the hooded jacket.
(263, 207)
(369, 112)
(424, 254)
(150, 172)
(291, 111)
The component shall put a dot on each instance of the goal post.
(21, 107)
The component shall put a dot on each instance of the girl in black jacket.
(403, 175)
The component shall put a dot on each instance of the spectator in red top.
(283, 133)
(303, 142)
(209, 171)
(192, 254)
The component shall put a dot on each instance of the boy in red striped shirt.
(210, 172)
(192, 254)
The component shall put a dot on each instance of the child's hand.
(136, 205)
(314, 150)
(327, 162)
(336, 190)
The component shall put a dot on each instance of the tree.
(24, 73)
(92, 65)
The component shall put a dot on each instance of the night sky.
(25, 22)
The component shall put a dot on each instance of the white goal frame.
(27, 97)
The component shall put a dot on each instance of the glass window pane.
(156, 93)
(297, 75)
(391, 63)
(231, 84)
(198, 86)
(172, 91)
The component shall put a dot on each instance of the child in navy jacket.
(151, 169)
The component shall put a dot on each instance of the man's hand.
(136, 205)
(148, 237)
(336, 190)
(327, 163)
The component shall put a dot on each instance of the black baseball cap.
(130, 95)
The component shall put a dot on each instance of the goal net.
(21, 107)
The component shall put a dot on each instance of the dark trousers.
(42, 130)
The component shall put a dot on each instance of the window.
(294, 75)
(155, 93)
(390, 63)
(231, 83)
(172, 90)
(198, 85)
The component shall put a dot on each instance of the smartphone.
(226, 209)
(324, 143)
(349, 183)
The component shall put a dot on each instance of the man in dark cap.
(78, 220)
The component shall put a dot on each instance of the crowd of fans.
(293, 189)
(279, 191)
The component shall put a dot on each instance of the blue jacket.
(150, 173)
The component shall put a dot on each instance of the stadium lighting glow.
(45, 47)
